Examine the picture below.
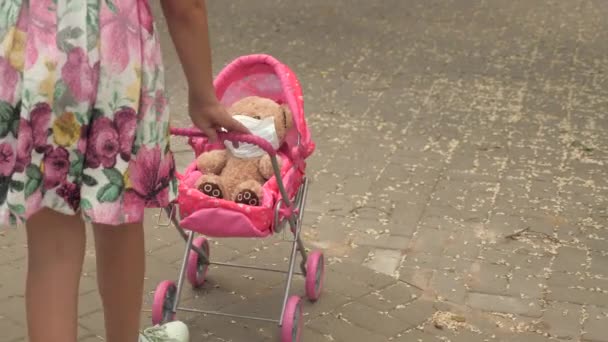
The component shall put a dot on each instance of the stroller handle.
(227, 136)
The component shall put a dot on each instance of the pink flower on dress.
(25, 145)
(126, 124)
(106, 212)
(7, 159)
(41, 30)
(32, 203)
(70, 192)
(108, 138)
(56, 166)
(153, 104)
(79, 76)
(150, 175)
(103, 144)
(121, 31)
(9, 77)
(40, 119)
(160, 101)
(146, 103)
(146, 18)
(152, 56)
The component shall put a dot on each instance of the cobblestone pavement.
(459, 188)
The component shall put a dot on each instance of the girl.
(84, 138)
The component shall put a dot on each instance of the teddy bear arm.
(212, 162)
(265, 166)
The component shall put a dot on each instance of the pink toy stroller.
(283, 201)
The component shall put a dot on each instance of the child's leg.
(120, 277)
(56, 245)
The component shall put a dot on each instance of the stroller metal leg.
(171, 212)
(292, 259)
(295, 224)
(301, 203)
(182, 272)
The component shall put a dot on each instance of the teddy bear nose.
(257, 117)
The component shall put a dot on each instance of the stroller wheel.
(315, 272)
(197, 265)
(293, 321)
(162, 307)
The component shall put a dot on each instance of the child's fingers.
(211, 133)
(230, 124)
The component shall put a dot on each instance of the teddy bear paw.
(211, 189)
(247, 197)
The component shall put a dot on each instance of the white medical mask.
(264, 129)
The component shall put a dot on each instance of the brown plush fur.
(241, 180)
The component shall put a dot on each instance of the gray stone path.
(459, 189)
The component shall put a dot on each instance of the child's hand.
(210, 116)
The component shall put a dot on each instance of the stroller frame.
(297, 246)
(291, 309)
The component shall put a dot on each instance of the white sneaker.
(170, 332)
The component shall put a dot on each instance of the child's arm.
(187, 21)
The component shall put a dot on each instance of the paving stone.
(385, 261)
(226, 328)
(421, 260)
(576, 289)
(88, 283)
(596, 325)
(330, 302)
(390, 297)
(84, 333)
(456, 336)
(406, 215)
(527, 337)
(371, 319)
(332, 228)
(415, 335)
(577, 296)
(171, 254)
(563, 320)
(384, 241)
(414, 313)
(430, 240)
(526, 284)
(569, 258)
(462, 244)
(89, 302)
(417, 277)
(13, 280)
(599, 265)
(488, 278)
(93, 322)
(339, 330)
(12, 330)
(311, 335)
(13, 308)
(10, 254)
(517, 255)
(497, 303)
(449, 287)
(358, 274)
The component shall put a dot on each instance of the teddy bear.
(237, 173)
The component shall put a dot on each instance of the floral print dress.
(83, 111)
